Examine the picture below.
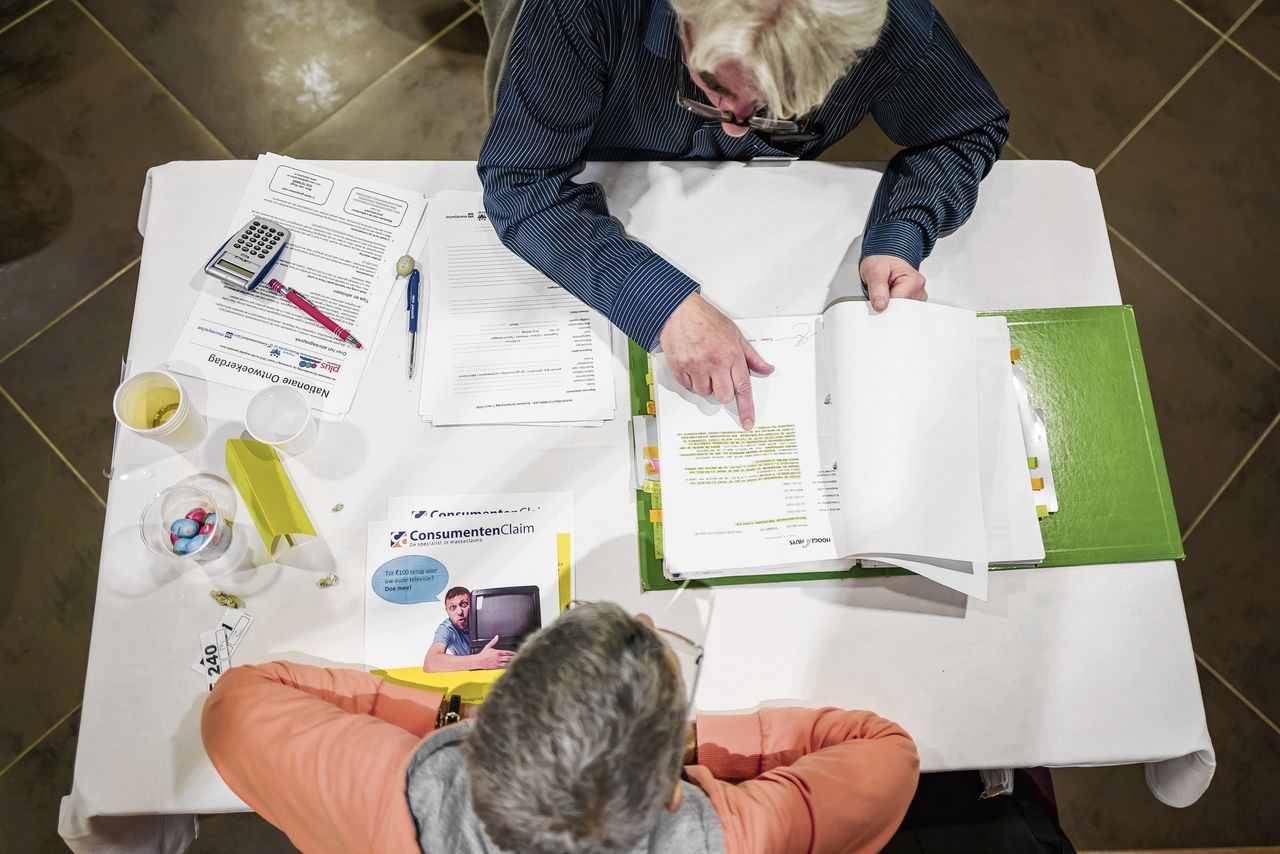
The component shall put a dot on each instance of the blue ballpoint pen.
(411, 303)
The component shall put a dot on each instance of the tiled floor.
(1175, 104)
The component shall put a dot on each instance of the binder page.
(906, 402)
(1009, 508)
(504, 343)
(733, 499)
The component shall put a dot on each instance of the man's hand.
(708, 355)
(887, 276)
(490, 658)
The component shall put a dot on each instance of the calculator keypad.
(258, 240)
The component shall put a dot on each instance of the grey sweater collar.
(439, 794)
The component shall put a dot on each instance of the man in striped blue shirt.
(723, 80)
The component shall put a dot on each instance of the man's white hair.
(795, 49)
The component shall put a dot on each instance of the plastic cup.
(179, 503)
(280, 416)
(155, 405)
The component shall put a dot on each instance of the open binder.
(1085, 371)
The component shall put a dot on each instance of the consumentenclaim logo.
(399, 539)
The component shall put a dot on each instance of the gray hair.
(795, 49)
(577, 747)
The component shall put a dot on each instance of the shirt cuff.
(897, 237)
(729, 746)
(646, 299)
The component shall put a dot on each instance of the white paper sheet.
(1013, 530)
(908, 414)
(762, 498)
(347, 235)
(504, 344)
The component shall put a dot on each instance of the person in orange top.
(582, 746)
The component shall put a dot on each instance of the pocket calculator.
(244, 260)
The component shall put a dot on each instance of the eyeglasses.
(688, 653)
(706, 111)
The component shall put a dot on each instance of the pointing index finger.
(742, 393)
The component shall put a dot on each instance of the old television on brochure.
(511, 613)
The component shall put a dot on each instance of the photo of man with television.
(469, 640)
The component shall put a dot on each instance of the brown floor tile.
(11, 10)
(79, 126)
(865, 142)
(1214, 396)
(1195, 190)
(259, 75)
(432, 108)
(1077, 77)
(1230, 584)
(1221, 13)
(1260, 34)
(51, 528)
(31, 791)
(239, 831)
(65, 378)
(1108, 808)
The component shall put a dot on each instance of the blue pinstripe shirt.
(596, 80)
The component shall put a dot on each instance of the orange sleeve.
(805, 780)
(350, 690)
(320, 753)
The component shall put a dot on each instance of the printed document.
(504, 565)
(347, 235)
(505, 344)
(866, 446)
(771, 492)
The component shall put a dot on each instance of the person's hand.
(492, 659)
(708, 355)
(887, 276)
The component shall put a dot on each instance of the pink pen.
(316, 314)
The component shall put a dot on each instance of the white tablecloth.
(1072, 666)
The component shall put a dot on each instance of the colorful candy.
(185, 528)
(191, 532)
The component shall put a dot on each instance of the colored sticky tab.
(1015, 354)
(657, 540)
(653, 487)
(650, 452)
(1033, 462)
(564, 568)
(655, 500)
(651, 408)
(655, 516)
(648, 379)
(651, 467)
(268, 494)
(1041, 511)
(1037, 483)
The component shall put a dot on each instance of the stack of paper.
(478, 547)
(505, 344)
(1035, 436)
(347, 235)
(890, 438)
